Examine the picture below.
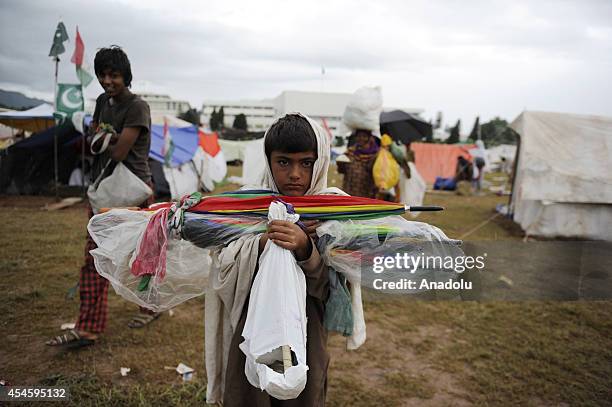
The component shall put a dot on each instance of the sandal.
(71, 339)
(141, 320)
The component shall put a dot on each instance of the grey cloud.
(451, 45)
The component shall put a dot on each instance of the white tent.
(250, 152)
(563, 182)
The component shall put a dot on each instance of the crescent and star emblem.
(69, 97)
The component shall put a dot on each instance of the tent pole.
(174, 183)
(510, 213)
(195, 168)
(83, 163)
(55, 164)
(83, 146)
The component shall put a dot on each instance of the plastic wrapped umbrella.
(219, 219)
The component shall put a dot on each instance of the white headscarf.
(318, 182)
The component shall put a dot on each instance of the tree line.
(217, 119)
(494, 132)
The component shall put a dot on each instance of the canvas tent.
(563, 182)
(438, 160)
(27, 167)
(37, 119)
(250, 152)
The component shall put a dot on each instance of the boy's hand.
(311, 228)
(289, 236)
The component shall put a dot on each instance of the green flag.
(69, 100)
(60, 36)
(84, 76)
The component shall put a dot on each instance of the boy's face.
(112, 82)
(292, 172)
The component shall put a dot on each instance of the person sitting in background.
(362, 151)
(463, 171)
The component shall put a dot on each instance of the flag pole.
(55, 146)
(83, 145)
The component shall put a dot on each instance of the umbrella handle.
(424, 208)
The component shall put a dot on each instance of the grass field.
(418, 352)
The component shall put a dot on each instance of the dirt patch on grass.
(395, 365)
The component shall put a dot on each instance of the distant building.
(316, 105)
(164, 105)
(260, 114)
(160, 105)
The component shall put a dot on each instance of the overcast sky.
(464, 58)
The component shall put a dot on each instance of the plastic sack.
(276, 317)
(386, 170)
(363, 110)
(349, 247)
(445, 184)
(412, 190)
(118, 235)
(121, 188)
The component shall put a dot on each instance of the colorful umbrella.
(320, 207)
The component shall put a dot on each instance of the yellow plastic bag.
(386, 171)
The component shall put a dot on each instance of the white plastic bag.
(121, 188)
(412, 190)
(118, 233)
(350, 247)
(276, 317)
(363, 110)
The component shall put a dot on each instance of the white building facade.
(319, 106)
(260, 114)
(163, 105)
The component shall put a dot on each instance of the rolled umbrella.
(309, 207)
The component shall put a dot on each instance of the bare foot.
(88, 335)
